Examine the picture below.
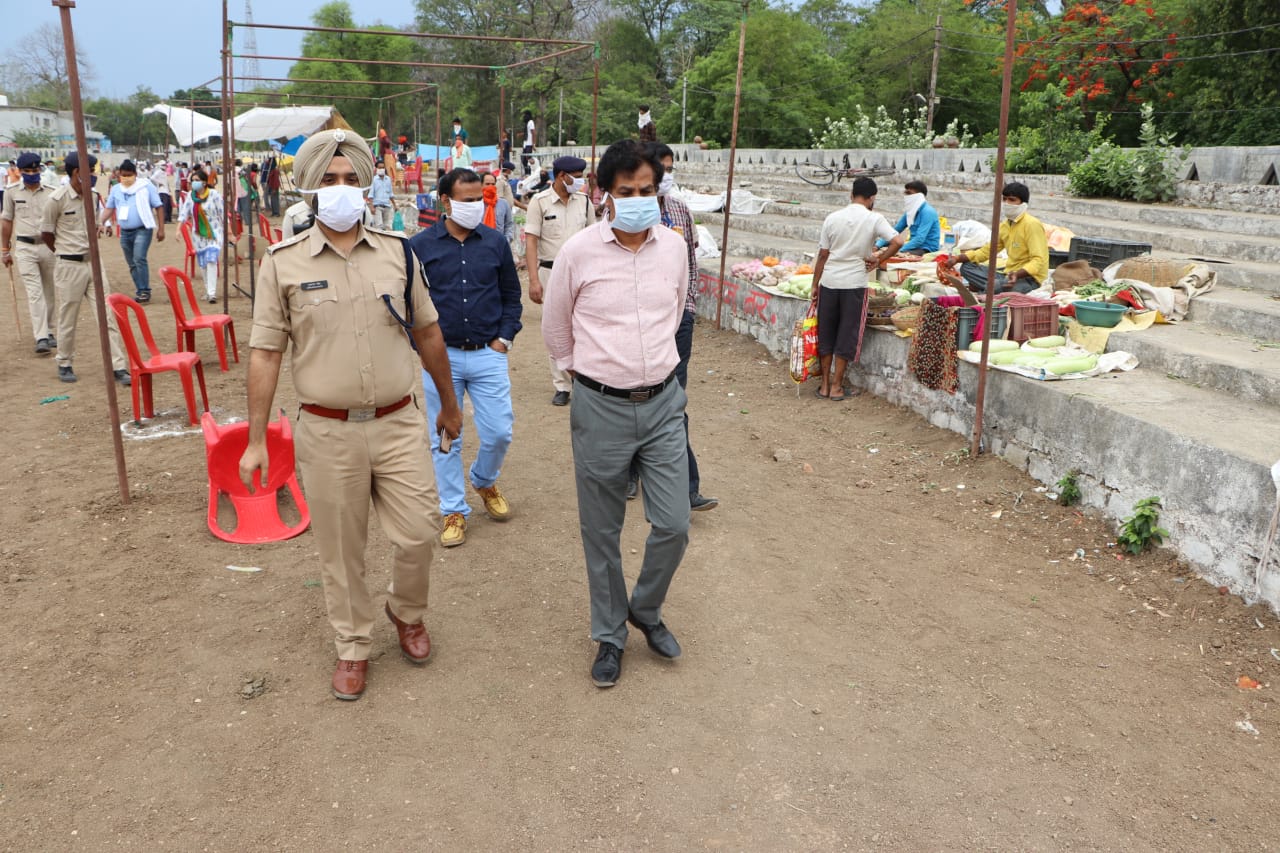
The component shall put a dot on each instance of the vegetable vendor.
(1022, 236)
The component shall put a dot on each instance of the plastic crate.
(1102, 253)
(1057, 258)
(968, 321)
(1031, 318)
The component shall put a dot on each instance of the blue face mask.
(635, 214)
(31, 180)
(197, 186)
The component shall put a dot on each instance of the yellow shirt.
(1024, 239)
(348, 350)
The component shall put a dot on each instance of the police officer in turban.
(350, 300)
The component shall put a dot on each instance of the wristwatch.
(506, 343)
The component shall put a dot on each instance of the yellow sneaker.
(455, 530)
(494, 503)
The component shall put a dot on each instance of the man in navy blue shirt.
(474, 287)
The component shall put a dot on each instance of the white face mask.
(667, 184)
(576, 185)
(911, 205)
(339, 207)
(466, 214)
(382, 173)
(1013, 211)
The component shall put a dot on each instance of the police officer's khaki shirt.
(64, 219)
(348, 350)
(25, 209)
(553, 221)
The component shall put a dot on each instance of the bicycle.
(823, 176)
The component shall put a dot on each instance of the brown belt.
(357, 415)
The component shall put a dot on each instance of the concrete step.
(804, 221)
(1243, 312)
(1208, 358)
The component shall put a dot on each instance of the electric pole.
(684, 105)
(560, 120)
(933, 71)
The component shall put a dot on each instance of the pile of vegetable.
(786, 276)
(1039, 353)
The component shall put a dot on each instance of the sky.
(180, 48)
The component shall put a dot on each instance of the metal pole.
(933, 71)
(435, 159)
(502, 108)
(975, 446)
(733, 153)
(595, 109)
(227, 86)
(95, 257)
(560, 120)
(684, 106)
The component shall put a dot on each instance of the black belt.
(31, 240)
(635, 395)
(546, 265)
(138, 228)
(77, 258)
(467, 347)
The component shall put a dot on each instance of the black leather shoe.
(43, 347)
(53, 342)
(633, 489)
(66, 374)
(123, 377)
(143, 297)
(702, 503)
(607, 668)
(659, 638)
(560, 398)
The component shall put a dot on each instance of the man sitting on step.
(1022, 237)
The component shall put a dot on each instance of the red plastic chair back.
(257, 513)
(121, 306)
(189, 259)
(176, 282)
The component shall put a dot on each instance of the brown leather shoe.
(415, 642)
(349, 678)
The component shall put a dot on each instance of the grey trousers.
(607, 433)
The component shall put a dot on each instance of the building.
(56, 125)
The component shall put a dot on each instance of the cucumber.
(1050, 342)
(996, 346)
(1074, 364)
(1005, 357)
(1032, 359)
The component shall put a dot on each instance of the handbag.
(804, 346)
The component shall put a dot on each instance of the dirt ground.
(888, 646)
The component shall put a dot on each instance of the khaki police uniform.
(553, 221)
(349, 353)
(72, 274)
(25, 209)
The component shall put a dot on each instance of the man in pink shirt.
(611, 310)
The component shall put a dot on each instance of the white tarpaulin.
(744, 202)
(188, 126)
(256, 125)
(262, 123)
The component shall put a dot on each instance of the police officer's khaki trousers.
(35, 268)
(345, 465)
(73, 283)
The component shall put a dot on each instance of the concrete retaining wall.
(1217, 504)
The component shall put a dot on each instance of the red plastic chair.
(189, 260)
(140, 370)
(266, 232)
(176, 282)
(258, 512)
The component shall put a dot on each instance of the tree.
(380, 43)
(782, 95)
(36, 72)
(1119, 53)
(124, 124)
(1228, 98)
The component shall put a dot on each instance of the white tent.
(256, 125)
(188, 126)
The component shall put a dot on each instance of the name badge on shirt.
(315, 285)
(549, 218)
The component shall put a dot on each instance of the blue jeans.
(976, 276)
(483, 375)
(135, 244)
